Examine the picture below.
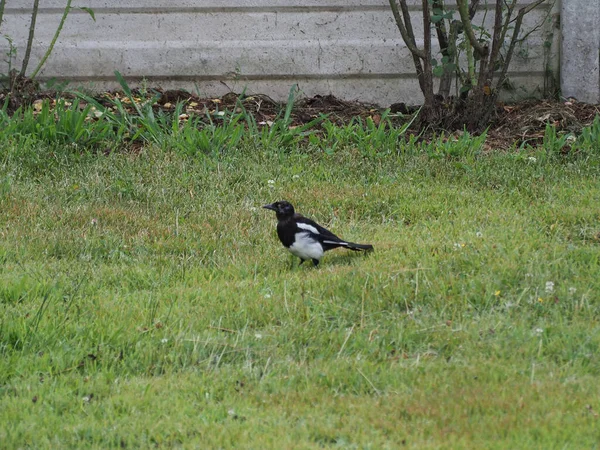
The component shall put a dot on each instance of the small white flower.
(271, 183)
(532, 159)
(267, 295)
(479, 234)
(295, 177)
(231, 412)
(549, 287)
(164, 340)
(539, 331)
(528, 275)
(94, 222)
(253, 208)
(86, 399)
(258, 336)
(572, 290)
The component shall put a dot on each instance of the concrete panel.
(580, 64)
(350, 48)
(142, 5)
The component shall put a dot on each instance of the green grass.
(146, 301)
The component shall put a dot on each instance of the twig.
(377, 391)
(416, 58)
(54, 39)
(539, 25)
(36, 4)
(2, 3)
(362, 304)
(465, 18)
(264, 371)
(509, 11)
(496, 42)
(226, 330)
(513, 41)
(406, 30)
(345, 341)
(427, 75)
(285, 303)
(445, 48)
(473, 8)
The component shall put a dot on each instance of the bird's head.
(282, 209)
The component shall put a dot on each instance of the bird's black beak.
(271, 207)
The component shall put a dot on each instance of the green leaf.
(438, 71)
(434, 62)
(445, 59)
(436, 19)
(465, 88)
(88, 10)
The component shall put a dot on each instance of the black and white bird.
(304, 237)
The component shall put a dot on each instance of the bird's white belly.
(306, 247)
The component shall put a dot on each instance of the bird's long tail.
(349, 245)
(359, 247)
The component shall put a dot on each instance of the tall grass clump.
(370, 138)
(280, 134)
(64, 123)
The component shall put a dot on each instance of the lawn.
(145, 300)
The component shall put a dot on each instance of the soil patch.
(513, 124)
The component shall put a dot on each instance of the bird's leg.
(301, 261)
(315, 262)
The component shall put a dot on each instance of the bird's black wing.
(311, 225)
(327, 239)
(321, 234)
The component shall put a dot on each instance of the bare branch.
(509, 11)
(427, 70)
(406, 30)
(54, 39)
(496, 42)
(445, 49)
(2, 3)
(515, 37)
(36, 4)
(465, 18)
(527, 9)
(537, 26)
(440, 27)
(473, 8)
(407, 20)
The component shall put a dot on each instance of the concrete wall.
(349, 48)
(580, 66)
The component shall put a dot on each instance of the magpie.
(304, 237)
